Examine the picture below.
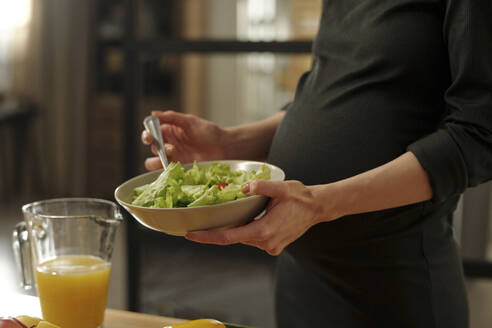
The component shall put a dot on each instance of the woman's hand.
(187, 138)
(292, 210)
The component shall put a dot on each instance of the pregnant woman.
(390, 126)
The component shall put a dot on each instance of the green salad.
(198, 186)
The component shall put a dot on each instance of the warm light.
(14, 13)
(9, 281)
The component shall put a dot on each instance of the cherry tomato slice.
(222, 185)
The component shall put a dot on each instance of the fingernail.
(190, 236)
(246, 188)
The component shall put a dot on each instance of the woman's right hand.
(187, 138)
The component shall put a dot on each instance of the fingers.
(268, 188)
(153, 149)
(169, 120)
(153, 163)
(146, 138)
(168, 148)
(274, 251)
(168, 133)
(172, 117)
(247, 232)
(171, 124)
(255, 230)
(253, 234)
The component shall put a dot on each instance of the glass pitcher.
(65, 245)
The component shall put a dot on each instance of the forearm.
(251, 141)
(399, 182)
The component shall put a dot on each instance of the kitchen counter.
(18, 304)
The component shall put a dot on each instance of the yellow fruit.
(29, 322)
(200, 323)
(46, 324)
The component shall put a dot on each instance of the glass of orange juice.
(67, 243)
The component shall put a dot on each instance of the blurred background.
(78, 77)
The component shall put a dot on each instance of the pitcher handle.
(22, 254)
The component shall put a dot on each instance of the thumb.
(264, 187)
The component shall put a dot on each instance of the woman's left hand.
(292, 210)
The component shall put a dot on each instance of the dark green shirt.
(391, 76)
(388, 76)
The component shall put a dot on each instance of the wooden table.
(125, 319)
(12, 305)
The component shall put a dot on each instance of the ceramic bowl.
(179, 221)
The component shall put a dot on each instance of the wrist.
(251, 140)
(230, 140)
(331, 202)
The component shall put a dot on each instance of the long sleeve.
(459, 154)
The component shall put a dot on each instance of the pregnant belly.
(319, 145)
(325, 145)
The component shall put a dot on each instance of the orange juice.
(73, 290)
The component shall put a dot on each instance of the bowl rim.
(249, 198)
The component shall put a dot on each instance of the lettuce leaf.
(197, 186)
